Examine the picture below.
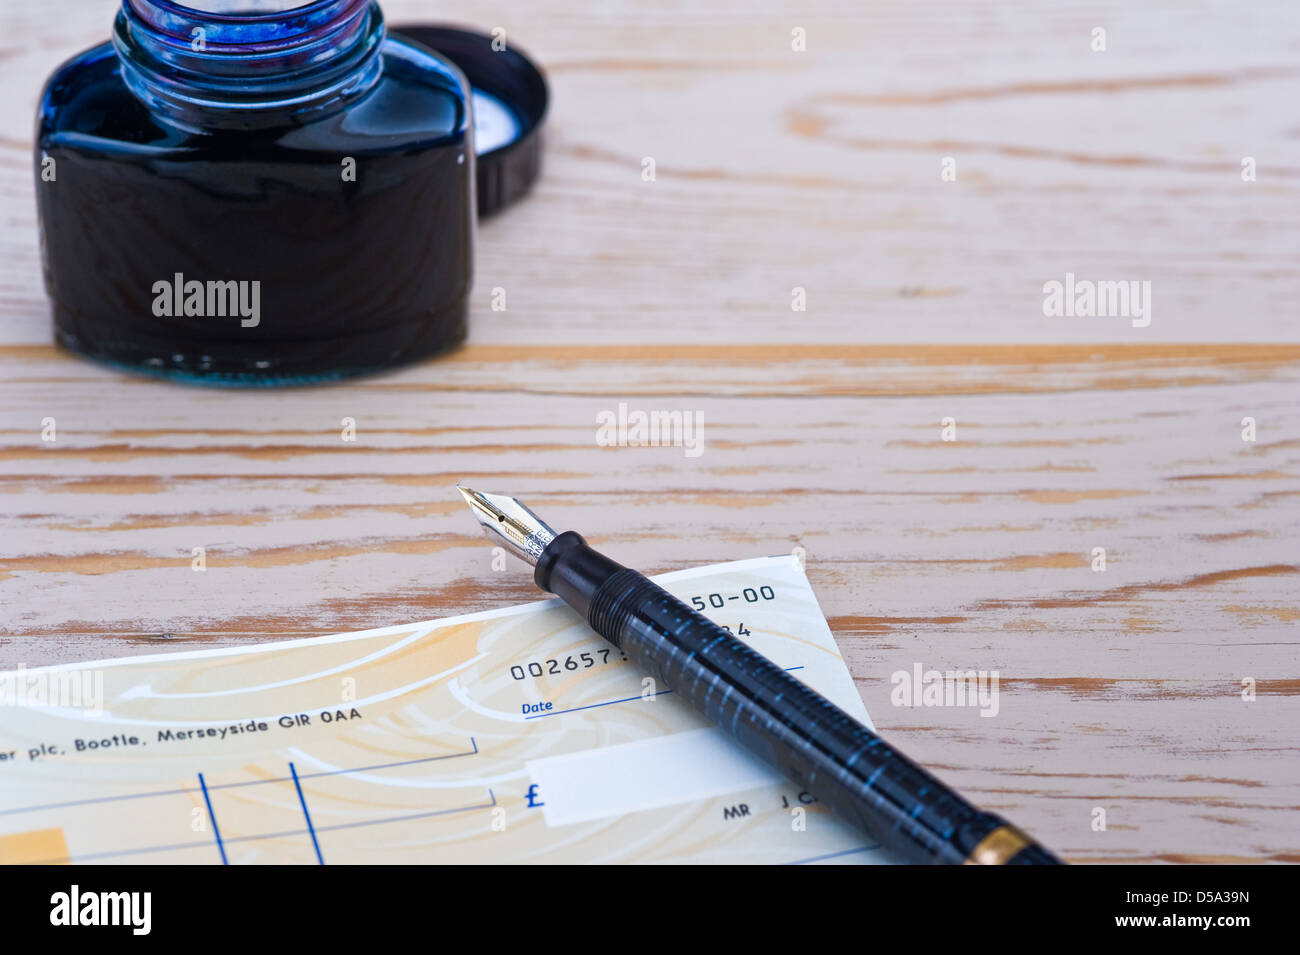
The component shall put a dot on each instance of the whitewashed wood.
(1120, 690)
(821, 169)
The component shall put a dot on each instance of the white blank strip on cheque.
(645, 774)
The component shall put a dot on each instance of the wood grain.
(1120, 690)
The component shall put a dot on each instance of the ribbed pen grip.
(616, 601)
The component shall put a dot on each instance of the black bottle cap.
(510, 100)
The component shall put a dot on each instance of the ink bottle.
(270, 197)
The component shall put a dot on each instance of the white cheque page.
(515, 735)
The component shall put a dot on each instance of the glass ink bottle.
(269, 197)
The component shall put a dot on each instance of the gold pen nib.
(509, 523)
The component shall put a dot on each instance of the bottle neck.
(248, 69)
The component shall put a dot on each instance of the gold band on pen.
(998, 846)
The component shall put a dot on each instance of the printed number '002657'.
(557, 666)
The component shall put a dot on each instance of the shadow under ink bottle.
(256, 198)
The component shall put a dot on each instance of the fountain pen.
(800, 733)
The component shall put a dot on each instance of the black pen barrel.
(806, 737)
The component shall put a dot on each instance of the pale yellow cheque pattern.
(403, 745)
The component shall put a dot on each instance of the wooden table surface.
(1120, 690)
